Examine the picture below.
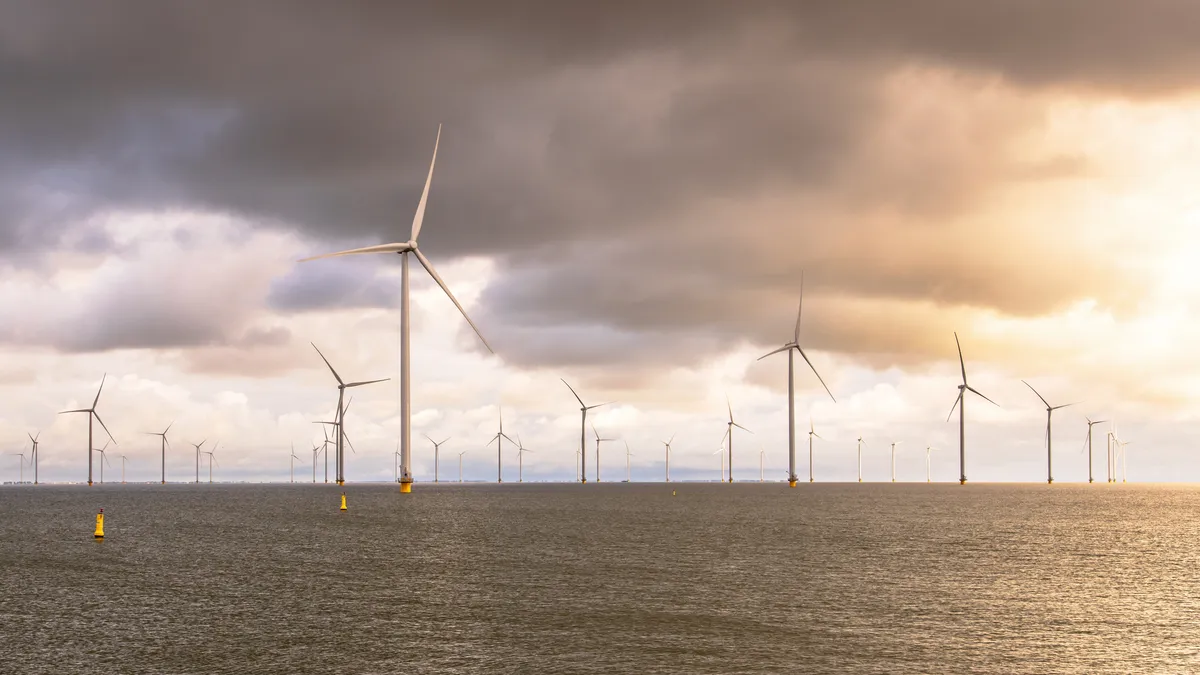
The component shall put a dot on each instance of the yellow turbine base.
(405, 488)
(791, 482)
(962, 481)
(99, 525)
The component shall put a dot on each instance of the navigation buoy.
(672, 493)
(343, 501)
(100, 525)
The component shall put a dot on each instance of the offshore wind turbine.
(198, 446)
(761, 455)
(33, 459)
(1111, 436)
(123, 460)
(499, 439)
(598, 440)
(860, 444)
(103, 461)
(961, 403)
(436, 447)
(211, 458)
(340, 462)
(628, 472)
(667, 450)
(721, 451)
(928, 479)
(811, 434)
(583, 409)
(789, 347)
(316, 450)
(521, 450)
(404, 249)
(1124, 460)
(1049, 411)
(164, 445)
(21, 466)
(729, 434)
(293, 462)
(894, 444)
(1091, 424)
(460, 465)
(92, 413)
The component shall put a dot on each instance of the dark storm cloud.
(566, 124)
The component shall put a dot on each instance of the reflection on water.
(601, 579)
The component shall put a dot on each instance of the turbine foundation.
(791, 482)
(405, 485)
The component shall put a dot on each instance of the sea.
(601, 578)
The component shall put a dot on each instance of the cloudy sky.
(626, 196)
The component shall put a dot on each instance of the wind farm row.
(403, 473)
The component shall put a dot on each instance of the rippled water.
(601, 579)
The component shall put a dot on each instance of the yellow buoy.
(100, 525)
(343, 501)
(672, 493)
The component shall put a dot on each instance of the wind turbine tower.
(33, 459)
(729, 434)
(163, 447)
(339, 457)
(598, 441)
(894, 444)
(1091, 424)
(790, 348)
(499, 439)
(404, 249)
(860, 444)
(667, 451)
(437, 446)
(812, 433)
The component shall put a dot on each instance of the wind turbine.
(598, 439)
(961, 403)
(668, 455)
(404, 249)
(789, 347)
(721, 451)
(21, 466)
(894, 444)
(293, 462)
(761, 454)
(437, 446)
(812, 433)
(578, 459)
(316, 450)
(164, 445)
(1049, 411)
(729, 434)
(1090, 424)
(521, 450)
(499, 439)
(1112, 437)
(211, 458)
(123, 460)
(103, 461)
(198, 446)
(34, 457)
(628, 469)
(583, 409)
(340, 461)
(1124, 460)
(92, 413)
(460, 465)
(860, 444)
(927, 475)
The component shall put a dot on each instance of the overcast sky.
(626, 196)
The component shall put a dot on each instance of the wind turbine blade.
(86, 410)
(382, 248)
(110, 436)
(1034, 391)
(816, 435)
(730, 407)
(742, 428)
(962, 364)
(595, 432)
(102, 379)
(776, 351)
(1066, 405)
(433, 273)
(600, 405)
(672, 439)
(814, 369)
(335, 375)
(429, 439)
(956, 402)
(168, 429)
(725, 435)
(976, 392)
(447, 438)
(799, 310)
(359, 384)
(581, 403)
(345, 436)
(419, 217)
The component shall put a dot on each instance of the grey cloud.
(348, 285)
(597, 150)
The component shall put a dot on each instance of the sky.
(627, 196)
